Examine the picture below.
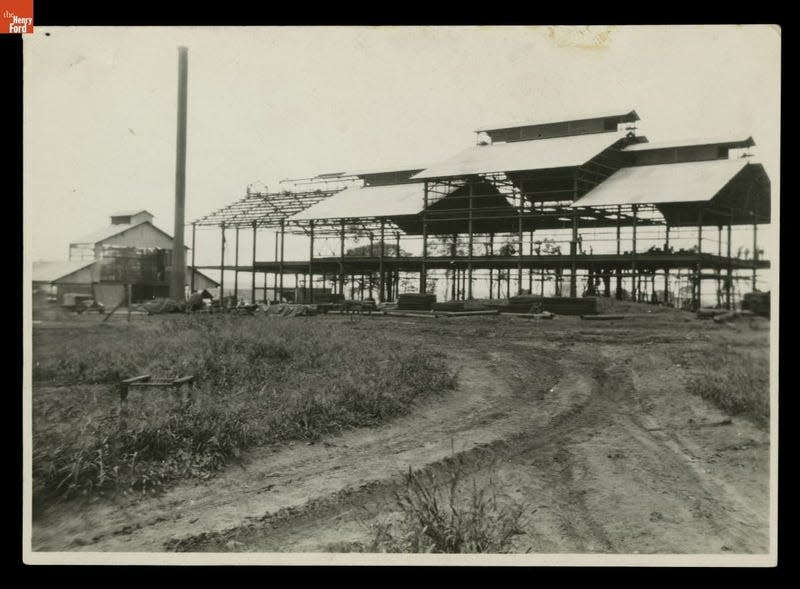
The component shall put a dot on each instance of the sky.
(266, 104)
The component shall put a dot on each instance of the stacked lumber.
(557, 305)
(524, 304)
(453, 306)
(413, 301)
(570, 305)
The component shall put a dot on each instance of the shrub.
(442, 516)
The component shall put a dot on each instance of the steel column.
(423, 279)
(470, 242)
(236, 267)
(311, 261)
(280, 263)
(222, 265)
(194, 231)
(253, 274)
(381, 273)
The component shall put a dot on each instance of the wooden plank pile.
(570, 305)
(414, 301)
(452, 306)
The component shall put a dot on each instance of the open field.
(647, 434)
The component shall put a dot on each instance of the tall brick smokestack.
(178, 277)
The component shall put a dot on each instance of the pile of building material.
(710, 312)
(289, 310)
(163, 305)
(757, 302)
(452, 307)
(559, 305)
(413, 301)
(524, 304)
(570, 305)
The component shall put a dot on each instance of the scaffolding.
(471, 233)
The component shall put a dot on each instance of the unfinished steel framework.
(636, 220)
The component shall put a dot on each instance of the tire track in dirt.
(307, 528)
(599, 460)
(481, 411)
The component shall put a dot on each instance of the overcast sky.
(271, 103)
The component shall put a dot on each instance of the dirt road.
(590, 427)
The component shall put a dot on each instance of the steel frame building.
(521, 181)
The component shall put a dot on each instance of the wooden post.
(521, 243)
(729, 273)
(253, 273)
(222, 266)
(453, 269)
(573, 245)
(280, 262)
(470, 241)
(666, 269)
(371, 255)
(128, 299)
(755, 249)
(618, 270)
(573, 252)
(423, 279)
(191, 280)
(698, 269)
(311, 261)
(236, 267)
(491, 270)
(341, 258)
(530, 268)
(718, 267)
(381, 272)
(634, 209)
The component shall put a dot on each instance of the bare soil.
(588, 425)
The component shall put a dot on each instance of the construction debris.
(602, 317)
(413, 301)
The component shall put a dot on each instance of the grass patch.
(736, 381)
(260, 380)
(449, 515)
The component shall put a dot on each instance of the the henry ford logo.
(17, 16)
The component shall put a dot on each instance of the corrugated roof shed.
(51, 271)
(663, 183)
(542, 154)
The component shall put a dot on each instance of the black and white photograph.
(417, 295)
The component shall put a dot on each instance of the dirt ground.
(587, 424)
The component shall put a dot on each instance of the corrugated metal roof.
(726, 141)
(622, 115)
(105, 233)
(555, 152)
(663, 183)
(51, 271)
(386, 170)
(130, 213)
(370, 201)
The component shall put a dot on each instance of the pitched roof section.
(106, 232)
(663, 183)
(621, 116)
(131, 213)
(52, 271)
(542, 154)
(112, 230)
(721, 141)
(370, 201)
